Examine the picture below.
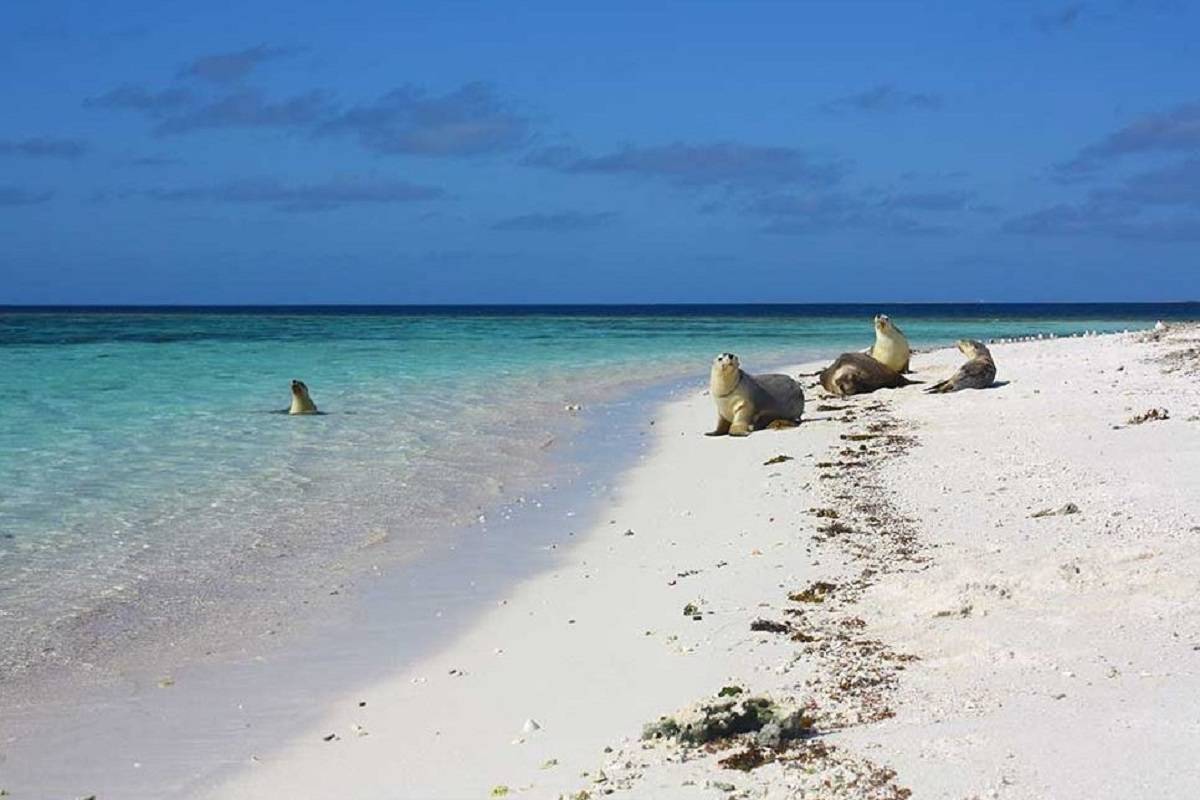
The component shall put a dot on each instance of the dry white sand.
(966, 649)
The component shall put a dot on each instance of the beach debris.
(722, 786)
(1153, 415)
(629, 532)
(330, 737)
(826, 513)
(530, 726)
(770, 626)
(729, 717)
(549, 762)
(572, 407)
(500, 790)
(1069, 508)
(815, 593)
(963, 612)
(746, 760)
(166, 682)
(692, 610)
(733, 690)
(779, 459)
(358, 730)
(362, 703)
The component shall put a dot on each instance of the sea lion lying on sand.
(978, 373)
(891, 347)
(301, 402)
(750, 402)
(859, 373)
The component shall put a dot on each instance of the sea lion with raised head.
(978, 373)
(891, 347)
(301, 402)
(859, 373)
(748, 402)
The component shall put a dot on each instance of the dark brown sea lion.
(859, 373)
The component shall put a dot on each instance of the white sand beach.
(945, 641)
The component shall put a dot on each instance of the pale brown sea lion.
(748, 402)
(859, 373)
(301, 402)
(891, 346)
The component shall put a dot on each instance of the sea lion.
(890, 348)
(301, 402)
(978, 373)
(748, 402)
(859, 373)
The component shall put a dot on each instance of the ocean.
(148, 482)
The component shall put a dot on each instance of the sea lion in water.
(859, 373)
(978, 373)
(748, 402)
(890, 348)
(301, 402)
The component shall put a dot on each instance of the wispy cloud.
(324, 196)
(472, 120)
(932, 201)
(1060, 19)
(152, 161)
(1174, 130)
(134, 97)
(833, 211)
(250, 108)
(556, 222)
(730, 164)
(1152, 205)
(885, 98)
(19, 196)
(223, 68)
(44, 147)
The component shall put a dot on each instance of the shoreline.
(626, 593)
(599, 646)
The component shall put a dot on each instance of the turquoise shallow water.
(144, 479)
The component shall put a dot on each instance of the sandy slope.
(970, 648)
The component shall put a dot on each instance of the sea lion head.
(883, 323)
(301, 402)
(727, 361)
(972, 348)
(725, 371)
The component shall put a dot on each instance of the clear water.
(145, 478)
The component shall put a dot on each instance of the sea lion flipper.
(722, 427)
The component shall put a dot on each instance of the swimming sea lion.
(978, 373)
(748, 402)
(859, 373)
(301, 402)
(890, 348)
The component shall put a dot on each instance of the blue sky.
(383, 152)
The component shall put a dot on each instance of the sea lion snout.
(298, 387)
(726, 360)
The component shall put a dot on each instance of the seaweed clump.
(725, 718)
